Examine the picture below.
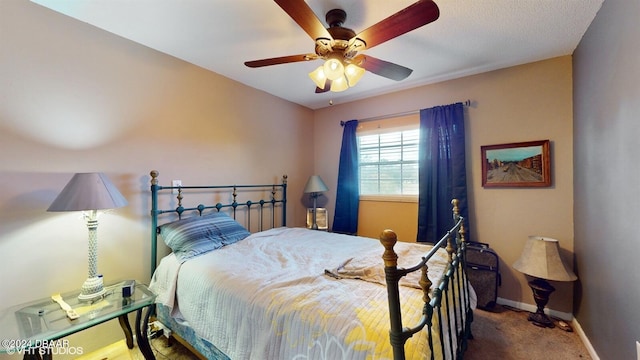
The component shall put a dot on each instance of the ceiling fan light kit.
(337, 77)
(339, 46)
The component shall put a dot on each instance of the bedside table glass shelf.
(34, 327)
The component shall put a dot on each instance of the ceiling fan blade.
(405, 20)
(383, 68)
(302, 14)
(327, 87)
(280, 60)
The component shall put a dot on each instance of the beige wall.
(75, 99)
(523, 103)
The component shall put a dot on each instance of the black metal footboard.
(449, 301)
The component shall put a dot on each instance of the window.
(389, 162)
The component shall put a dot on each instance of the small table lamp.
(315, 186)
(89, 192)
(541, 259)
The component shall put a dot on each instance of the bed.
(239, 284)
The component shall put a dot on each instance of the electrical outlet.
(175, 183)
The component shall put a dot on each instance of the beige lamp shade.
(541, 258)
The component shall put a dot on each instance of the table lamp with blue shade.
(90, 192)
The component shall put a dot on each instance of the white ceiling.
(470, 37)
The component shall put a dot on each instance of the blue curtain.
(345, 219)
(442, 170)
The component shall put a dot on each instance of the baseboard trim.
(585, 340)
(558, 314)
(532, 308)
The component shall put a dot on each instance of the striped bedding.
(293, 293)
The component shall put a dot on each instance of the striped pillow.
(197, 235)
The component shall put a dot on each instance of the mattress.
(294, 293)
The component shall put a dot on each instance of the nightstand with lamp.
(315, 186)
(37, 326)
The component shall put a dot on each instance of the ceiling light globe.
(333, 69)
(339, 84)
(353, 73)
(318, 77)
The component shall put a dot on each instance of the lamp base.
(541, 291)
(92, 289)
(541, 319)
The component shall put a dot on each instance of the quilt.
(294, 293)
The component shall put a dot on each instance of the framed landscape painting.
(524, 164)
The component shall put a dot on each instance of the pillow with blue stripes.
(198, 235)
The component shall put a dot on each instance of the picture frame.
(522, 164)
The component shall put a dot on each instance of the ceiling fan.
(340, 46)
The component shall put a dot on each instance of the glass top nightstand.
(29, 328)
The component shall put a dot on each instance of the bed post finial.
(284, 178)
(456, 216)
(450, 249)
(425, 284)
(462, 232)
(456, 209)
(154, 177)
(388, 238)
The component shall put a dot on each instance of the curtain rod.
(464, 103)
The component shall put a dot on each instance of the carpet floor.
(163, 351)
(503, 333)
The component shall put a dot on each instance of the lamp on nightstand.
(541, 260)
(89, 192)
(315, 186)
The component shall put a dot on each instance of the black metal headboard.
(232, 205)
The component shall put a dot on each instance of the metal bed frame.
(454, 281)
